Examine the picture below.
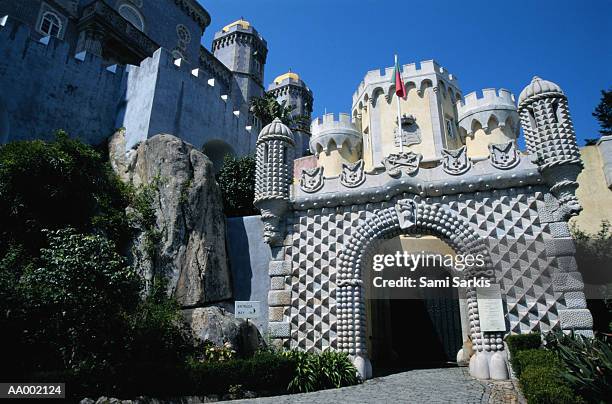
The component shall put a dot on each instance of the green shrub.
(522, 342)
(587, 364)
(236, 180)
(53, 185)
(264, 372)
(533, 357)
(76, 300)
(321, 371)
(543, 384)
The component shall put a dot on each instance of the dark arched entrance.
(216, 150)
(418, 327)
(410, 216)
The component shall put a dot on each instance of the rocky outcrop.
(186, 242)
(219, 326)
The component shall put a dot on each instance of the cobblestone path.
(448, 385)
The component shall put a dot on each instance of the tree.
(603, 113)
(237, 182)
(267, 108)
(53, 185)
(593, 256)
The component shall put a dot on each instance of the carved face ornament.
(312, 179)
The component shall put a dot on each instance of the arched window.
(50, 24)
(132, 15)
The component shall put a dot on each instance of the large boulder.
(187, 241)
(217, 325)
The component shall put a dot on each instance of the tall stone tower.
(429, 113)
(550, 136)
(244, 51)
(274, 175)
(290, 90)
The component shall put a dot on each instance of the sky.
(331, 44)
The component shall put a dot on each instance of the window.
(555, 110)
(450, 128)
(50, 24)
(131, 15)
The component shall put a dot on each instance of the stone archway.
(407, 216)
(216, 150)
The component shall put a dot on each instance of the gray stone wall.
(161, 19)
(162, 97)
(45, 88)
(532, 257)
(249, 258)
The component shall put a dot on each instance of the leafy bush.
(264, 372)
(54, 185)
(541, 384)
(321, 371)
(237, 182)
(533, 357)
(587, 364)
(522, 342)
(214, 353)
(77, 296)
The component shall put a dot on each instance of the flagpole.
(399, 118)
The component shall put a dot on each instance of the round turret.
(492, 119)
(549, 131)
(550, 138)
(538, 87)
(335, 141)
(273, 177)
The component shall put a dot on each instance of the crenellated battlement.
(331, 122)
(62, 90)
(410, 72)
(237, 33)
(288, 82)
(480, 108)
(191, 93)
(90, 99)
(337, 129)
(17, 39)
(489, 96)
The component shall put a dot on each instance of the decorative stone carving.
(503, 156)
(312, 179)
(407, 213)
(550, 137)
(275, 146)
(411, 133)
(407, 162)
(352, 175)
(456, 162)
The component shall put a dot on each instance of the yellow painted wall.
(593, 192)
(414, 104)
(478, 143)
(334, 157)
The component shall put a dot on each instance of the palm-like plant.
(267, 108)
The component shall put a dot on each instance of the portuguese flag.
(400, 87)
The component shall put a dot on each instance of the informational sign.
(246, 309)
(490, 308)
